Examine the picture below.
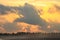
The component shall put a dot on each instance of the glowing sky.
(50, 12)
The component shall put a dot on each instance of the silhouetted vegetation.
(28, 33)
(30, 36)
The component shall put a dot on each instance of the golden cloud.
(47, 9)
(10, 17)
(25, 27)
(50, 14)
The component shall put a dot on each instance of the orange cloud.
(10, 17)
(34, 28)
(25, 27)
(48, 26)
(2, 30)
(56, 31)
(22, 26)
(2, 21)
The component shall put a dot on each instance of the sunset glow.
(48, 11)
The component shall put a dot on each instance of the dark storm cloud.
(28, 11)
(31, 16)
(5, 9)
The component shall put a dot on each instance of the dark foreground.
(30, 36)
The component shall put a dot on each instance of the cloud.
(25, 27)
(51, 14)
(2, 30)
(19, 27)
(30, 16)
(4, 9)
(9, 13)
(57, 8)
(26, 19)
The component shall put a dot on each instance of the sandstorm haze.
(29, 16)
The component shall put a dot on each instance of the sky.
(29, 16)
